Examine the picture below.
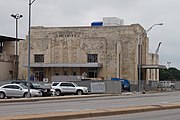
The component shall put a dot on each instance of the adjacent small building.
(8, 64)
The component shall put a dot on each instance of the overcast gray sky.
(83, 12)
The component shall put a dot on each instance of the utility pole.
(29, 46)
(16, 17)
(140, 54)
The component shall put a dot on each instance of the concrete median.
(92, 113)
(33, 99)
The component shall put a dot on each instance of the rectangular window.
(92, 72)
(74, 73)
(65, 72)
(39, 58)
(92, 58)
(1, 47)
(56, 74)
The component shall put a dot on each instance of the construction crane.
(157, 50)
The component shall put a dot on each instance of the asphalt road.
(155, 115)
(83, 104)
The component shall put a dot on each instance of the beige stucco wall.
(116, 47)
(153, 74)
(9, 47)
(7, 60)
(4, 71)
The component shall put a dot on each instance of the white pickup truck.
(166, 84)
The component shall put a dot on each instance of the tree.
(169, 74)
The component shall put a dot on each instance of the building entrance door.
(92, 74)
(39, 74)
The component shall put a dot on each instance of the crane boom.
(157, 50)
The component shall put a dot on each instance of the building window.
(92, 72)
(39, 58)
(65, 72)
(74, 73)
(1, 47)
(92, 57)
(56, 74)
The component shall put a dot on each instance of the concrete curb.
(92, 113)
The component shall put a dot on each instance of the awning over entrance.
(5, 38)
(66, 65)
(153, 66)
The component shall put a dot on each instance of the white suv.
(68, 88)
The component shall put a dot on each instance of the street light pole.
(16, 17)
(29, 46)
(140, 54)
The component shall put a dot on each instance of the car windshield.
(75, 84)
(23, 86)
(55, 84)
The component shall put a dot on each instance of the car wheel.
(2, 95)
(79, 92)
(172, 87)
(26, 95)
(58, 93)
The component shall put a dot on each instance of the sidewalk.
(84, 114)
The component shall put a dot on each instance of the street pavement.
(93, 112)
(152, 115)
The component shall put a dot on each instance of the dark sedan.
(46, 90)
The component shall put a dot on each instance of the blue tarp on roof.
(97, 24)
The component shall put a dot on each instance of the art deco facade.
(95, 52)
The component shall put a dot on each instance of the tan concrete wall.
(4, 71)
(116, 47)
(9, 47)
(7, 60)
(153, 74)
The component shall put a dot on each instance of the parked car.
(166, 84)
(54, 84)
(17, 90)
(68, 88)
(46, 90)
